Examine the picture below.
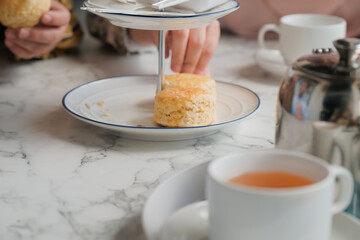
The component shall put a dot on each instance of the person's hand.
(191, 50)
(27, 43)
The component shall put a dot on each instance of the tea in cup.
(271, 179)
(299, 34)
(275, 194)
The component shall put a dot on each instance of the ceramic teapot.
(318, 109)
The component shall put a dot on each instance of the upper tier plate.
(130, 16)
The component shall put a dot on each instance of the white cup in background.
(296, 213)
(299, 34)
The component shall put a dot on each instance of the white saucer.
(187, 223)
(128, 16)
(191, 223)
(271, 61)
(175, 211)
(124, 105)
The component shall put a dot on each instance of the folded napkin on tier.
(194, 5)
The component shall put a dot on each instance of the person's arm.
(249, 18)
(56, 32)
(252, 15)
(350, 12)
(191, 50)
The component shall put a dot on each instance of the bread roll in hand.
(22, 13)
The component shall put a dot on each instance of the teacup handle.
(346, 183)
(336, 145)
(264, 29)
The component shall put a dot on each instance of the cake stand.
(146, 18)
(234, 102)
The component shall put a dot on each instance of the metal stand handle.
(161, 59)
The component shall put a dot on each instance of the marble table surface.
(61, 178)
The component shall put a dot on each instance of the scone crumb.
(100, 103)
(106, 115)
(139, 125)
(88, 106)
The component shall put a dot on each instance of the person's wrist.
(141, 37)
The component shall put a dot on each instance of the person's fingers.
(42, 34)
(194, 49)
(211, 42)
(178, 49)
(58, 15)
(29, 45)
(206, 72)
(10, 33)
(18, 50)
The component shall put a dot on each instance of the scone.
(22, 13)
(184, 107)
(186, 80)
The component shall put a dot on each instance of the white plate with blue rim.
(133, 16)
(176, 210)
(124, 106)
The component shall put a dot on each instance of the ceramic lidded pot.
(318, 108)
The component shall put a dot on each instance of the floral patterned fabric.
(104, 31)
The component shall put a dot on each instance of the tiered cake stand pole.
(161, 57)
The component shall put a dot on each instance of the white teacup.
(299, 34)
(256, 213)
